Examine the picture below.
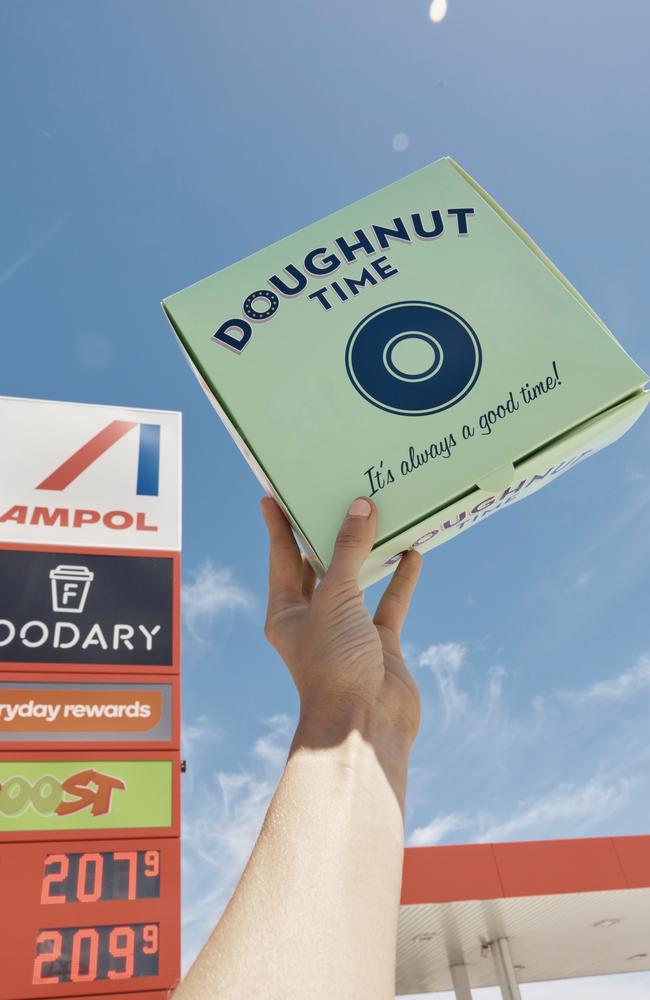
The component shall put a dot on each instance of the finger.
(354, 540)
(308, 579)
(285, 561)
(396, 599)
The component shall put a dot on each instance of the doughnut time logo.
(359, 263)
(413, 358)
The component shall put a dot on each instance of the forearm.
(314, 916)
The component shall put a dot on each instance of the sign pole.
(90, 763)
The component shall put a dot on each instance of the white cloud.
(436, 830)
(267, 748)
(410, 652)
(591, 802)
(566, 765)
(615, 577)
(538, 703)
(618, 688)
(198, 733)
(445, 661)
(222, 816)
(211, 592)
(586, 805)
(446, 654)
(496, 677)
(582, 579)
(623, 685)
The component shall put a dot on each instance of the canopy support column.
(460, 982)
(505, 969)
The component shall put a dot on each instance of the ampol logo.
(148, 457)
(82, 473)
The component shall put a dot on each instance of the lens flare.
(437, 10)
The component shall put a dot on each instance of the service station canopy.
(566, 908)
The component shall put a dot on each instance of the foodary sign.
(87, 608)
(89, 475)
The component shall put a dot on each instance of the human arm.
(314, 916)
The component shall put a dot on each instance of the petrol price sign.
(89, 702)
(87, 954)
(89, 918)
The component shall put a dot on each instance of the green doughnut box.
(416, 347)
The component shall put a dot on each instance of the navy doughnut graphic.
(451, 348)
(269, 297)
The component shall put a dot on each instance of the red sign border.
(138, 995)
(27, 919)
(108, 668)
(14, 747)
(112, 833)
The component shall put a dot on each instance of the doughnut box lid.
(416, 347)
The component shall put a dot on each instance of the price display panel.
(86, 919)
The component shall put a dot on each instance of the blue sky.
(132, 165)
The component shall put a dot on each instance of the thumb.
(354, 540)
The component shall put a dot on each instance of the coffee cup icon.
(70, 586)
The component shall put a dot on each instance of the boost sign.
(77, 794)
(72, 607)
